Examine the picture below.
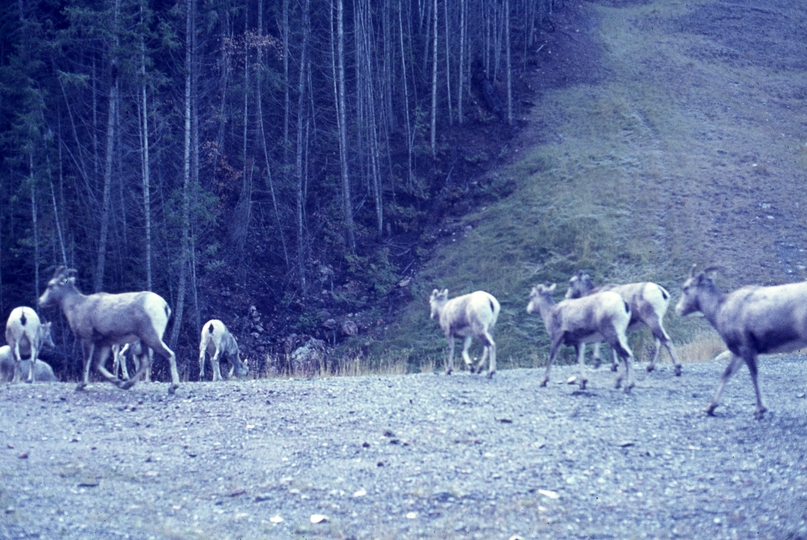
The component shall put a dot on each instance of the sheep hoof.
(490, 374)
(471, 368)
(628, 388)
(543, 383)
(759, 413)
(125, 385)
(80, 387)
(618, 382)
(710, 409)
(448, 372)
(173, 388)
(597, 363)
(651, 367)
(583, 384)
(614, 367)
(678, 370)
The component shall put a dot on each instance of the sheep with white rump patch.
(648, 305)
(600, 316)
(218, 343)
(26, 336)
(752, 320)
(467, 316)
(102, 320)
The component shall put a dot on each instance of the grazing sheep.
(648, 305)
(42, 371)
(466, 316)
(752, 320)
(597, 317)
(102, 320)
(219, 343)
(26, 336)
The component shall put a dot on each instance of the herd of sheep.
(752, 320)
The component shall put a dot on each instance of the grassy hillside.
(677, 139)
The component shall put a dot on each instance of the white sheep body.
(466, 316)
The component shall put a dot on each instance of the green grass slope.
(686, 145)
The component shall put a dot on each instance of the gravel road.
(409, 456)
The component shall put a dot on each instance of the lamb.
(26, 336)
(102, 320)
(751, 321)
(648, 303)
(42, 371)
(596, 317)
(218, 343)
(467, 316)
(137, 352)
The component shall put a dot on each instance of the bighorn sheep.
(752, 320)
(466, 316)
(218, 342)
(137, 352)
(42, 371)
(26, 336)
(101, 320)
(596, 317)
(648, 305)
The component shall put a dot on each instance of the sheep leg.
(614, 360)
(17, 361)
(596, 362)
(731, 369)
(580, 349)
(148, 361)
(123, 370)
(552, 354)
(450, 367)
(676, 362)
(751, 362)
(144, 367)
(88, 349)
(216, 366)
(490, 349)
(466, 344)
(103, 354)
(617, 345)
(652, 365)
(34, 353)
(202, 365)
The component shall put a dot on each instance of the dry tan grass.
(703, 346)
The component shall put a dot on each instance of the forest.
(283, 166)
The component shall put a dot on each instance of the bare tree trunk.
(341, 105)
(34, 223)
(509, 67)
(98, 282)
(433, 138)
(144, 129)
(270, 183)
(301, 256)
(186, 179)
(460, 79)
(448, 63)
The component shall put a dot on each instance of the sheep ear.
(445, 293)
(552, 287)
(58, 272)
(692, 271)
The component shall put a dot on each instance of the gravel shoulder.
(409, 456)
